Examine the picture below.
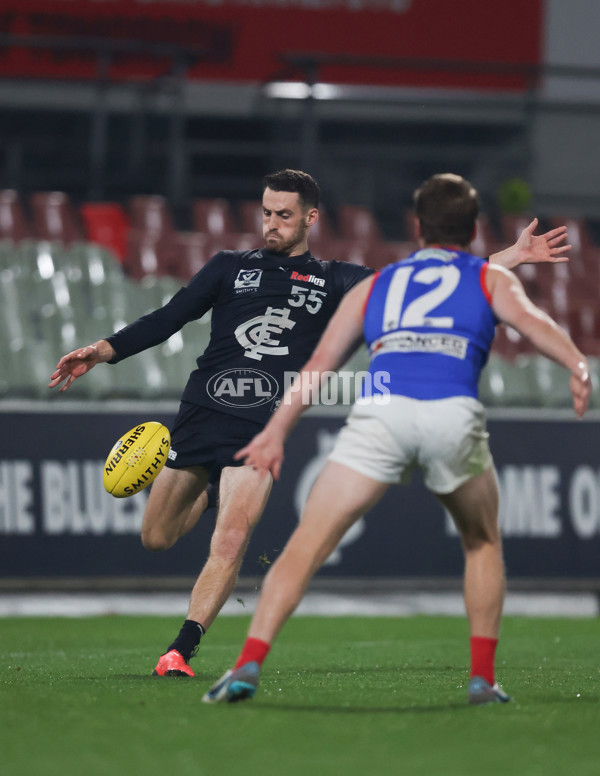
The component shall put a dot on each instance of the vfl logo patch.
(247, 279)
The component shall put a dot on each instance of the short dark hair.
(447, 207)
(295, 180)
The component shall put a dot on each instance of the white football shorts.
(445, 438)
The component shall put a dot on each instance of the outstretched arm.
(340, 339)
(79, 362)
(534, 249)
(512, 305)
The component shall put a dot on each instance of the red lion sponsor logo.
(308, 279)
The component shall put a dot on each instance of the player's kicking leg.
(243, 494)
(474, 507)
(339, 497)
(177, 500)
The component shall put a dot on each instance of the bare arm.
(534, 249)
(79, 362)
(340, 339)
(512, 305)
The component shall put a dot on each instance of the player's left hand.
(264, 452)
(547, 247)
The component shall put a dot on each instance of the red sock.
(254, 651)
(483, 651)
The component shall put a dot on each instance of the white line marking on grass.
(314, 603)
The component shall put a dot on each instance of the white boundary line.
(324, 604)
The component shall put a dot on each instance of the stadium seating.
(485, 242)
(150, 215)
(60, 291)
(13, 224)
(107, 224)
(323, 237)
(359, 224)
(54, 218)
(148, 254)
(214, 217)
(579, 233)
(251, 213)
(507, 384)
(192, 251)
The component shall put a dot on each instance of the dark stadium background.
(133, 140)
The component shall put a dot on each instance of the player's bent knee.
(155, 540)
(475, 540)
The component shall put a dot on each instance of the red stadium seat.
(106, 224)
(579, 233)
(538, 281)
(150, 255)
(54, 217)
(193, 251)
(485, 242)
(150, 215)
(583, 324)
(358, 223)
(214, 217)
(322, 233)
(359, 228)
(509, 344)
(251, 213)
(13, 224)
(352, 252)
(393, 251)
(587, 265)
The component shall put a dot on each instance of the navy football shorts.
(203, 437)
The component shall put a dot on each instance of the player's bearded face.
(285, 223)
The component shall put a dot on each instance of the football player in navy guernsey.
(429, 322)
(269, 308)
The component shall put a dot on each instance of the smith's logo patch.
(247, 279)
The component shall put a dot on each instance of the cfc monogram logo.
(256, 335)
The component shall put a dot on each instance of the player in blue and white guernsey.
(429, 323)
(269, 308)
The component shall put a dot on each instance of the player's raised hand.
(79, 362)
(548, 247)
(533, 248)
(264, 452)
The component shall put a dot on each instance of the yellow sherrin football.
(136, 459)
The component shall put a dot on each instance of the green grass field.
(343, 696)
